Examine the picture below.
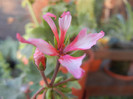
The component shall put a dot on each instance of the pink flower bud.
(40, 59)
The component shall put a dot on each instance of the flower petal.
(51, 15)
(64, 23)
(39, 58)
(84, 41)
(73, 65)
(42, 45)
(47, 18)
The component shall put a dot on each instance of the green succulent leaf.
(49, 94)
(65, 89)
(58, 79)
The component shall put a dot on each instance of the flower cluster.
(83, 41)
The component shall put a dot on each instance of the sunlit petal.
(42, 45)
(64, 23)
(73, 64)
(47, 18)
(84, 41)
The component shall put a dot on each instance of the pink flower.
(39, 59)
(82, 42)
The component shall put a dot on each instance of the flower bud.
(40, 60)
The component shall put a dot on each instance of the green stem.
(32, 13)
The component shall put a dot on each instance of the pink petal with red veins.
(51, 15)
(84, 41)
(73, 65)
(39, 58)
(64, 23)
(47, 18)
(42, 45)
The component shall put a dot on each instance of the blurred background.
(108, 65)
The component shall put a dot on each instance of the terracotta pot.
(38, 6)
(94, 63)
(80, 92)
(117, 76)
(91, 65)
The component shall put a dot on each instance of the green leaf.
(11, 88)
(67, 40)
(57, 96)
(42, 92)
(74, 84)
(49, 94)
(65, 89)
(50, 65)
(55, 42)
(27, 50)
(35, 87)
(4, 68)
(77, 53)
(38, 32)
(33, 74)
(28, 29)
(11, 47)
(70, 96)
(58, 79)
(44, 33)
(73, 31)
(21, 96)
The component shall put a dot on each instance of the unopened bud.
(40, 60)
(41, 67)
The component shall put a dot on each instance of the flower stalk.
(65, 81)
(55, 73)
(35, 95)
(44, 94)
(44, 78)
(58, 91)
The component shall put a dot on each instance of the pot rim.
(115, 75)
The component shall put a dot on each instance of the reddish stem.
(44, 78)
(35, 95)
(27, 93)
(65, 81)
(58, 91)
(55, 73)
(44, 94)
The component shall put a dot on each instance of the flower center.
(60, 50)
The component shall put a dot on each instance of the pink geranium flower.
(82, 42)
